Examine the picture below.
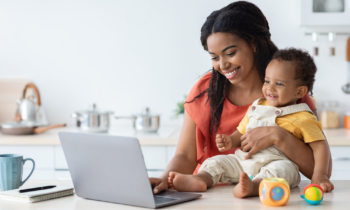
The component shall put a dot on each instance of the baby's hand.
(223, 142)
(323, 181)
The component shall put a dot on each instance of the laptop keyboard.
(163, 200)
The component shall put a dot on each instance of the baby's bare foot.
(244, 188)
(186, 183)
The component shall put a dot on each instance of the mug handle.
(22, 182)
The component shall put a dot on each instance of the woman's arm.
(321, 156)
(330, 154)
(185, 159)
(300, 153)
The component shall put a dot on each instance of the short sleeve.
(243, 124)
(196, 106)
(307, 99)
(311, 130)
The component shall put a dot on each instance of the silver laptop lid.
(107, 168)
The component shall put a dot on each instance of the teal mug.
(11, 170)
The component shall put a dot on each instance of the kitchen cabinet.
(42, 155)
(341, 163)
(39, 173)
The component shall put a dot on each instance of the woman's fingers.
(158, 185)
(327, 187)
(250, 153)
(324, 187)
(154, 181)
(246, 146)
(243, 137)
(332, 186)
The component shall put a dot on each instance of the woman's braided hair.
(245, 20)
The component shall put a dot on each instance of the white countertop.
(166, 136)
(217, 197)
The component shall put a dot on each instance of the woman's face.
(231, 56)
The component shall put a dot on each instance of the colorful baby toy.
(313, 194)
(274, 191)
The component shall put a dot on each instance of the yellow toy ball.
(313, 194)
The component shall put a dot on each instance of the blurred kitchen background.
(127, 55)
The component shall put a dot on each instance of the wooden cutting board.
(10, 91)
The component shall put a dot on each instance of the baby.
(289, 76)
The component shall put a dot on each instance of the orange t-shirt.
(231, 116)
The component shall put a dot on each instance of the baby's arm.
(225, 142)
(321, 156)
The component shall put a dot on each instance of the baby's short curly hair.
(305, 68)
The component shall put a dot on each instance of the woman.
(237, 38)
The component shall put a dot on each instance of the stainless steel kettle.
(30, 109)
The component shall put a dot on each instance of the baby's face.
(280, 88)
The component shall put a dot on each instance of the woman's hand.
(323, 181)
(261, 138)
(159, 184)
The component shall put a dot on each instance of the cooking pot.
(92, 120)
(25, 128)
(145, 121)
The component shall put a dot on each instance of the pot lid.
(94, 110)
(146, 112)
(21, 124)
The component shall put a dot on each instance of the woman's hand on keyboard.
(159, 184)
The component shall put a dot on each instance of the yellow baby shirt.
(303, 125)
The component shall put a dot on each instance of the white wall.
(125, 55)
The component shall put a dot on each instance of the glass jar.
(347, 120)
(330, 114)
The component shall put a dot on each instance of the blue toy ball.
(277, 193)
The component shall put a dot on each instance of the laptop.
(111, 169)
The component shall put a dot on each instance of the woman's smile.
(230, 74)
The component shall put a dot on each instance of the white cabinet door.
(42, 155)
(62, 175)
(340, 152)
(170, 153)
(341, 163)
(60, 160)
(154, 173)
(39, 174)
(155, 157)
